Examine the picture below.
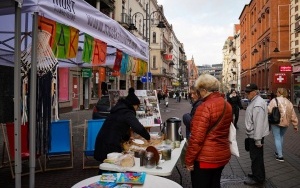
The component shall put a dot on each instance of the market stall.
(77, 14)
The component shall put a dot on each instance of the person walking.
(186, 118)
(167, 99)
(257, 127)
(235, 101)
(208, 149)
(288, 116)
(116, 128)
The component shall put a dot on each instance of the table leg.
(179, 175)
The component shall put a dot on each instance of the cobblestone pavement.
(279, 174)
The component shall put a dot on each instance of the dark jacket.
(213, 147)
(116, 130)
(235, 102)
(186, 118)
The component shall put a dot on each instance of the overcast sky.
(203, 25)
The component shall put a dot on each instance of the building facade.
(265, 48)
(295, 50)
(231, 62)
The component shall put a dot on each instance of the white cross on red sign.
(280, 78)
(297, 78)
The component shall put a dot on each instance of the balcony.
(125, 19)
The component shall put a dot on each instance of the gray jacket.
(256, 119)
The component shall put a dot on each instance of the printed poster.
(148, 112)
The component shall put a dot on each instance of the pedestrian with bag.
(186, 118)
(208, 150)
(236, 105)
(287, 117)
(257, 127)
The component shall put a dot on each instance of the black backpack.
(274, 117)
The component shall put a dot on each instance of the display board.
(148, 112)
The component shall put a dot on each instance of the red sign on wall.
(280, 78)
(285, 68)
(168, 57)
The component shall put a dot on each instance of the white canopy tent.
(78, 14)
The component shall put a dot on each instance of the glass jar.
(149, 160)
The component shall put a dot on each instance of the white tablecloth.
(167, 166)
(150, 182)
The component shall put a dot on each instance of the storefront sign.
(280, 78)
(285, 68)
(86, 73)
(168, 57)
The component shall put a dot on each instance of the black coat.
(235, 102)
(116, 130)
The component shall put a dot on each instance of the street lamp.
(276, 50)
(147, 36)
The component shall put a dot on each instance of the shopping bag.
(232, 140)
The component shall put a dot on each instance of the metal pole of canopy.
(17, 96)
(32, 114)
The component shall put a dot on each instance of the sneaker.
(280, 159)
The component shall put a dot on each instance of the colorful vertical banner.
(135, 66)
(64, 39)
(87, 48)
(49, 26)
(129, 65)
(124, 63)
(118, 60)
(61, 42)
(142, 68)
(73, 45)
(99, 52)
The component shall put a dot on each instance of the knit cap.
(132, 98)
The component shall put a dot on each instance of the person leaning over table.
(116, 128)
(209, 152)
(257, 127)
(288, 116)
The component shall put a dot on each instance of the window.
(154, 37)
(154, 62)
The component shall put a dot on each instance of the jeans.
(278, 133)
(206, 178)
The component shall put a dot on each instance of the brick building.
(265, 48)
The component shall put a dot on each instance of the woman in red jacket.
(208, 150)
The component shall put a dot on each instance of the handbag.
(247, 144)
(232, 140)
(274, 117)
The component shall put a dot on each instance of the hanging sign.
(86, 73)
(280, 78)
(168, 57)
(285, 68)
